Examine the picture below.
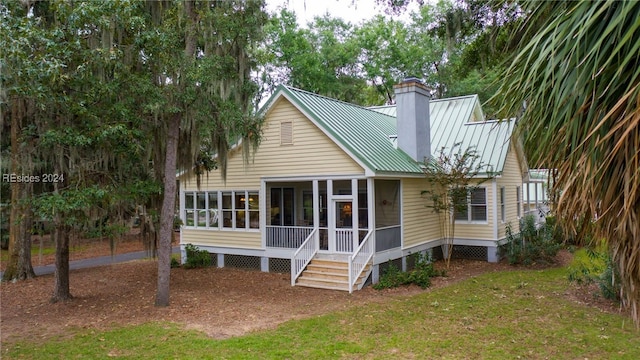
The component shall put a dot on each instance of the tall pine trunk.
(61, 291)
(167, 212)
(19, 265)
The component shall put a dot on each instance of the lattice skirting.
(280, 265)
(242, 261)
(469, 252)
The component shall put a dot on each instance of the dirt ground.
(220, 302)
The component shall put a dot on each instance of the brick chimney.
(412, 112)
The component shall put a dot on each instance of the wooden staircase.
(333, 274)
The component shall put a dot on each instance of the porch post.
(355, 224)
(331, 216)
(316, 205)
(371, 210)
(263, 211)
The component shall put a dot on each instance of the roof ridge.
(430, 100)
(335, 100)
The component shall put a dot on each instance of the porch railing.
(290, 237)
(344, 240)
(304, 254)
(359, 260)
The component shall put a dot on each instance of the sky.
(349, 10)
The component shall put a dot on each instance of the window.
(479, 204)
(201, 208)
(227, 210)
(518, 205)
(239, 209)
(213, 209)
(476, 207)
(286, 133)
(502, 214)
(254, 210)
(189, 207)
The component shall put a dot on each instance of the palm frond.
(580, 79)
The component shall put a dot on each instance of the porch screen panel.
(387, 207)
(323, 231)
(307, 208)
(342, 187)
(363, 213)
(288, 218)
(276, 196)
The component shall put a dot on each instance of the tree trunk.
(167, 212)
(19, 265)
(61, 290)
(171, 153)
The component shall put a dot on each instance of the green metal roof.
(459, 120)
(368, 134)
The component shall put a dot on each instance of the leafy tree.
(122, 94)
(79, 128)
(25, 71)
(451, 176)
(322, 59)
(579, 81)
(200, 60)
(384, 54)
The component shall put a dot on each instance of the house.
(536, 195)
(334, 190)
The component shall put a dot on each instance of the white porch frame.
(331, 201)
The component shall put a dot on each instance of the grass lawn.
(518, 314)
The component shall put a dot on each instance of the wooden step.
(329, 274)
(325, 275)
(330, 263)
(323, 283)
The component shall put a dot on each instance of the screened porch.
(338, 208)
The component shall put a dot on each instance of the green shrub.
(391, 278)
(532, 244)
(596, 266)
(197, 258)
(175, 263)
(421, 275)
(609, 281)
